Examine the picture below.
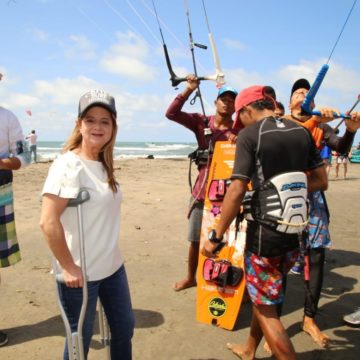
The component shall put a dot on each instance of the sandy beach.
(154, 245)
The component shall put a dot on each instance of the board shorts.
(9, 247)
(265, 276)
(195, 220)
(342, 159)
(318, 227)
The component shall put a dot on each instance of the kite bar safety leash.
(310, 96)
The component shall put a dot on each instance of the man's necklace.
(298, 119)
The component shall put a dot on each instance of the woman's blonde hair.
(106, 153)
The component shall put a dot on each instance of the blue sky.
(53, 51)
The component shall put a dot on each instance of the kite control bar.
(309, 98)
(218, 77)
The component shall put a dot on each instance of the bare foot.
(184, 284)
(310, 327)
(240, 351)
(267, 348)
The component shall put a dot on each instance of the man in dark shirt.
(267, 147)
(207, 130)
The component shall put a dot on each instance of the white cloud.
(177, 53)
(19, 100)
(64, 91)
(154, 125)
(129, 57)
(241, 78)
(131, 44)
(39, 35)
(128, 66)
(233, 44)
(80, 47)
(139, 102)
(305, 69)
(343, 79)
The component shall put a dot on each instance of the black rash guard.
(337, 143)
(271, 147)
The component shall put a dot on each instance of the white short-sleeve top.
(101, 214)
(12, 138)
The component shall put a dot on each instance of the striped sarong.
(9, 247)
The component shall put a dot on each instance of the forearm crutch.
(75, 339)
(104, 330)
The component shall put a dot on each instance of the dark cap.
(269, 90)
(300, 84)
(99, 98)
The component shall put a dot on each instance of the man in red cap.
(207, 130)
(318, 238)
(270, 152)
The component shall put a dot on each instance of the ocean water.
(49, 150)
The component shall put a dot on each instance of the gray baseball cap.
(99, 98)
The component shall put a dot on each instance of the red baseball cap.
(246, 97)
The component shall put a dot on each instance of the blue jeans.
(114, 295)
(33, 151)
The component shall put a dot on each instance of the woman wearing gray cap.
(87, 162)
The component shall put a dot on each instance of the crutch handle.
(81, 198)
(60, 278)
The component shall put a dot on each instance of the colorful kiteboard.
(220, 281)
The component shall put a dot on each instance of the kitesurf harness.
(280, 203)
(202, 156)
